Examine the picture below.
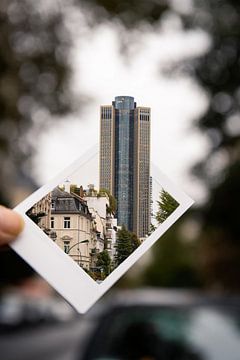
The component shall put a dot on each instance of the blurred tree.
(131, 13)
(166, 205)
(34, 73)
(219, 73)
(174, 262)
(33, 81)
(174, 259)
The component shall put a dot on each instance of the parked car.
(166, 325)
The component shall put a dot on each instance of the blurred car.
(141, 324)
(165, 325)
(17, 311)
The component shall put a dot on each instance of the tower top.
(124, 102)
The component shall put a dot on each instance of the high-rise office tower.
(125, 161)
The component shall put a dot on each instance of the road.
(60, 341)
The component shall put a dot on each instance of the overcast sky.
(101, 73)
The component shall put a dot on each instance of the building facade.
(106, 224)
(80, 222)
(125, 161)
(72, 226)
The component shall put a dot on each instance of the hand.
(11, 224)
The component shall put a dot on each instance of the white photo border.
(69, 279)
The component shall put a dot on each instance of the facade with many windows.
(125, 161)
(82, 227)
(105, 222)
(72, 226)
(79, 225)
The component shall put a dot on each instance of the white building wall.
(98, 203)
(80, 230)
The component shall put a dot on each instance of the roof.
(60, 193)
(66, 203)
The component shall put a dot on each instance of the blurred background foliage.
(203, 249)
(33, 84)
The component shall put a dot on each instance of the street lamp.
(77, 244)
(80, 242)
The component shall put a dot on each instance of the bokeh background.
(60, 60)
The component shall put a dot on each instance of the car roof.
(154, 297)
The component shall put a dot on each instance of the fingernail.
(10, 221)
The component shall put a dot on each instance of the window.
(66, 246)
(52, 223)
(66, 222)
(52, 205)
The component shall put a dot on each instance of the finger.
(11, 224)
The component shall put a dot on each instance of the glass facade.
(124, 146)
(125, 161)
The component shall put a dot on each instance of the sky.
(102, 71)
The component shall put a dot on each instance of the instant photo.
(85, 224)
(89, 225)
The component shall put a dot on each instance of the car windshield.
(149, 333)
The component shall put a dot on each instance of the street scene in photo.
(99, 225)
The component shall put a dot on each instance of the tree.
(104, 262)
(111, 209)
(135, 241)
(75, 189)
(167, 204)
(152, 228)
(127, 242)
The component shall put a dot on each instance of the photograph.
(119, 180)
(100, 226)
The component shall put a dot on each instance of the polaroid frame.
(59, 270)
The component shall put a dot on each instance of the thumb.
(11, 224)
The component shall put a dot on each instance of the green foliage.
(126, 243)
(174, 262)
(104, 262)
(152, 228)
(135, 242)
(75, 189)
(111, 209)
(167, 204)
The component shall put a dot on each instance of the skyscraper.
(125, 161)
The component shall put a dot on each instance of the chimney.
(67, 186)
